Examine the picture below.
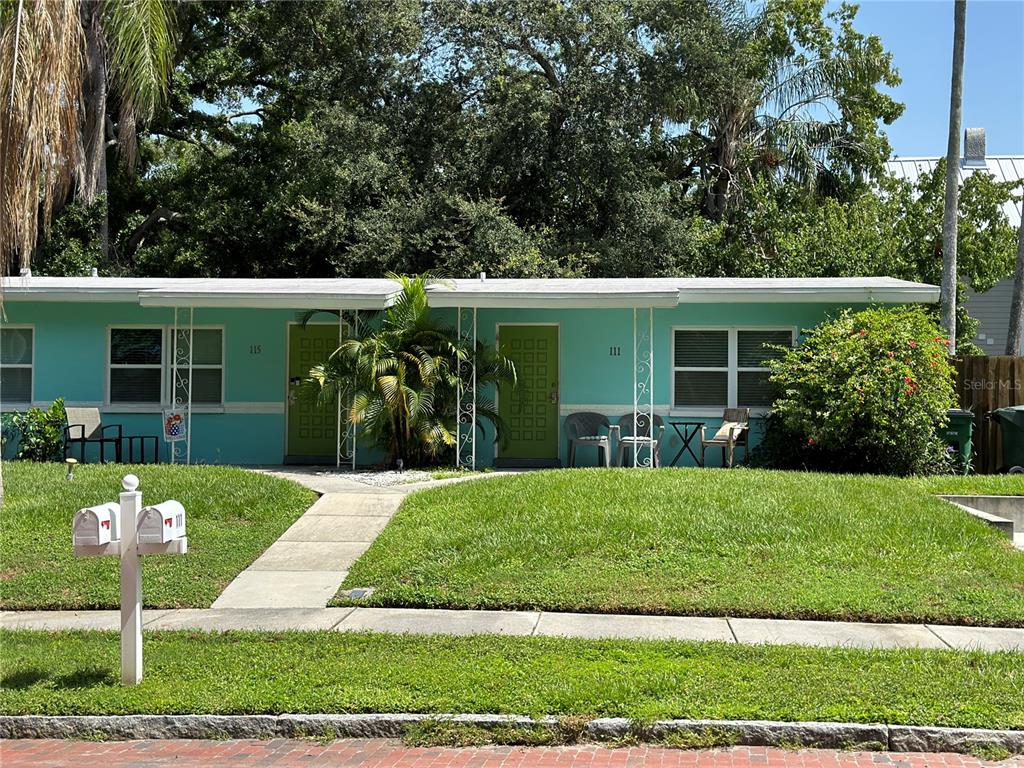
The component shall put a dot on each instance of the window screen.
(725, 368)
(136, 365)
(753, 350)
(16, 365)
(701, 377)
(207, 367)
(751, 347)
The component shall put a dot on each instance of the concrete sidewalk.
(536, 623)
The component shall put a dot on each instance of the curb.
(684, 733)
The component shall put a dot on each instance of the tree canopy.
(528, 138)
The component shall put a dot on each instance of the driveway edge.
(683, 733)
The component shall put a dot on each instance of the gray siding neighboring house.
(991, 308)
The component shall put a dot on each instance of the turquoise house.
(227, 356)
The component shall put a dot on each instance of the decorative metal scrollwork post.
(643, 387)
(181, 379)
(465, 399)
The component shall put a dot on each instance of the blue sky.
(919, 34)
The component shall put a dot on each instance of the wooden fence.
(983, 384)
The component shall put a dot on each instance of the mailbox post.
(128, 531)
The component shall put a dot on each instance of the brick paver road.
(285, 753)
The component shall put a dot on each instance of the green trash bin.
(1011, 425)
(958, 435)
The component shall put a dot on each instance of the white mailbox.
(95, 526)
(162, 523)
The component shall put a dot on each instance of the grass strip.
(972, 485)
(705, 542)
(67, 673)
(232, 516)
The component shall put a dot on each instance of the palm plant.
(59, 61)
(775, 103)
(399, 381)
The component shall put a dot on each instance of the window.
(16, 364)
(753, 390)
(136, 365)
(207, 367)
(140, 366)
(724, 368)
(702, 369)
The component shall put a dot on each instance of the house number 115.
(255, 349)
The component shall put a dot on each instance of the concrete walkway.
(305, 567)
(537, 623)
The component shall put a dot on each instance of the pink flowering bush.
(865, 392)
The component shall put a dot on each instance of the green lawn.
(232, 516)
(676, 541)
(982, 485)
(76, 673)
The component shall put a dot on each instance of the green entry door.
(530, 409)
(312, 429)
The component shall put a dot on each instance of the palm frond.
(41, 48)
(140, 41)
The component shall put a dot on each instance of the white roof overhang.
(910, 293)
(539, 293)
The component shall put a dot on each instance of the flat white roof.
(378, 293)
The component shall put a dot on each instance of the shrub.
(401, 380)
(40, 434)
(865, 392)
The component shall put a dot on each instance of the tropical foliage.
(39, 433)
(527, 138)
(865, 392)
(75, 77)
(399, 379)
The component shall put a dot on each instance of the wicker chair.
(735, 431)
(585, 428)
(649, 431)
(84, 427)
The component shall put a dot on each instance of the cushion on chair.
(726, 431)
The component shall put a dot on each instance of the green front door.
(530, 409)
(312, 428)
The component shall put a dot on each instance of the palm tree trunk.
(1015, 337)
(93, 181)
(947, 299)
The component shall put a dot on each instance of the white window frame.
(199, 407)
(166, 367)
(147, 407)
(31, 367)
(732, 371)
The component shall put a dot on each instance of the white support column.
(188, 418)
(131, 584)
(181, 359)
(337, 428)
(643, 385)
(458, 394)
(355, 332)
(473, 422)
(172, 448)
(465, 397)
